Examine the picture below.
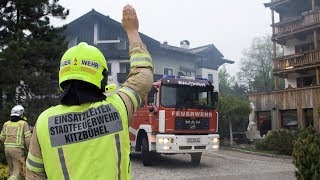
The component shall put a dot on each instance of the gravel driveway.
(223, 164)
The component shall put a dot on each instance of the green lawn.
(253, 149)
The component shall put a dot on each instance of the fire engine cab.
(179, 116)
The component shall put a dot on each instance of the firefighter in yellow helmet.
(86, 136)
(16, 135)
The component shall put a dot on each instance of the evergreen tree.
(30, 48)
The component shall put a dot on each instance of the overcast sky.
(228, 24)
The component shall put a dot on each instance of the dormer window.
(123, 45)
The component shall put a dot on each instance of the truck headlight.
(215, 146)
(165, 140)
(214, 140)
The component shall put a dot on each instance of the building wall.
(173, 62)
(83, 31)
(292, 80)
(293, 99)
(160, 63)
(203, 72)
(289, 48)
(115, 68)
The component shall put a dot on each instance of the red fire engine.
(178, 116)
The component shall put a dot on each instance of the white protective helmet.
(17, 110)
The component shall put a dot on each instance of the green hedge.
(3, 159)
(260, 145)
(280, 140)
(306, 154)
(4, 172)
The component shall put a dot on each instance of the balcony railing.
(297, 60)
(285, 99)
(304, 21)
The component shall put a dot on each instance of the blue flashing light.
(169, 76)
(202, 79)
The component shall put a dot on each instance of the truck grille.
(191, 124)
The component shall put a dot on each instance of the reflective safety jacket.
(90, 141)
(14, 134)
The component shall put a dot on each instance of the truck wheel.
(195, 158)
(146, 155)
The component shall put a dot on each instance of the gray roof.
(208, 56)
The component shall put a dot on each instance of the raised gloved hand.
(130, 21)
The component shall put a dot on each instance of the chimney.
(185, 44)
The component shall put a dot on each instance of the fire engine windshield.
(186, 97)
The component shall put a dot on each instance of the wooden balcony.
(274, 3)
(296, 61)
(306, 97)
(294, 99)
(301, 23)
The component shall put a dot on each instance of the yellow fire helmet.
(83, 62)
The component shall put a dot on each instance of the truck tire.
(196, 158)
(146, 155)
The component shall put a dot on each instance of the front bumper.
(170, 143)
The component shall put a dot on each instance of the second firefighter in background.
(16, 136)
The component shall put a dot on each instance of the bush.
(260, 145)
(306, 154)
(280, 140)
(4, 172)
(3, 159)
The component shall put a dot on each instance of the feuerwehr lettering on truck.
(78, 127)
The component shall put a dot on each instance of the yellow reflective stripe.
(34, 169)
(12, 177)
(135, 98)
(34, 163)
(12, 145)
(19, 135)
(35, 159)
(141, 63)
(27, 134)
(141, 59)
(140, 55)
(13, 124)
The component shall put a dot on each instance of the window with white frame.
(168, 71)
(188, 73)
(109, 69)
(123, 45)
(210, 77)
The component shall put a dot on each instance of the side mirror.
(215, 97)
(150, 99)
(151, 109)
(151, 95)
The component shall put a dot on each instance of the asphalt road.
(223, 164)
